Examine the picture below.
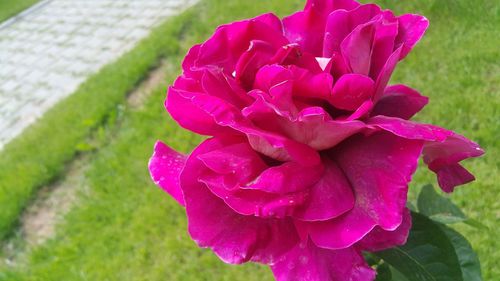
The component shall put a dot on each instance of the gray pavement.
(49, 50)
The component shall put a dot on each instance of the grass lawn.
(10, 8)
(124, 228)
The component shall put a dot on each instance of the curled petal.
(307, 27)
(383, 42)
(230, 41)
(238, 161)
(311, 85)
(308, 262)
(233, 237)
(215, 82)
(327, 6)
(378, 168)
(357, 48)
(411, 29)
(351, 90)
(400, 101)
(270, 76)
(341, 23)
(330, 197)
(442, 151)
(165, 167)
(379, 239)
(313, 126)
(258, 54)
(287, 177)
(385, 74)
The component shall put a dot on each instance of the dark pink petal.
(308, 262)
(443, 149)
(383, 42)
(341, 23)
(312, 126)
(286, 178)
(270, 76)
(379, 168)
(315, 128)
(190, 58)
(411, 29)
(362, 111)
(253, 202)
(351, 90)
(230, 41)
(311, 85)
(188, 115)
(452, 175)
(337, 66)
(307, 27)
(400, 101)
(409, 129)
(258, 54)
(205, 114)
(379, 239)
(214, 82)
(234, 238)
(238, 161)
(278, 99)
(291, 54)
(165, 167)
(385, 74)
(328, 6)
(357, 48)
(442, 158)
(330, 197)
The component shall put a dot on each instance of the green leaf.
(384, 272)
(428, 255)
(476, 224)
(397, 276)
(437, 207)
(469, 262)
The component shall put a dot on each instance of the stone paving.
(50, 49)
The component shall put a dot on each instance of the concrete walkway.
(50, 49)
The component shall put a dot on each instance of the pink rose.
(311, 152)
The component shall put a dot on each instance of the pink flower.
(310, 152)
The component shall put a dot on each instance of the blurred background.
(82, 84)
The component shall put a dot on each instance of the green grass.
(10, 8)
(124, 228)
(38, 156)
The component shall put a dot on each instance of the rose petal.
(188, 115)
(400, 101)
(327, 6)
(313, 126)
(165, 167)
(411, 30)
(385, 74)
(310, 85)
(351, 90)
(258, 54)
(230, 41)
(443, 149)
(379, 239)
(308, 262)
(287, 177)
(233, 237)
(341, 23)
(238, 161)
(330, 197)
(357, 48)
(383, 42)
(379, 168)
